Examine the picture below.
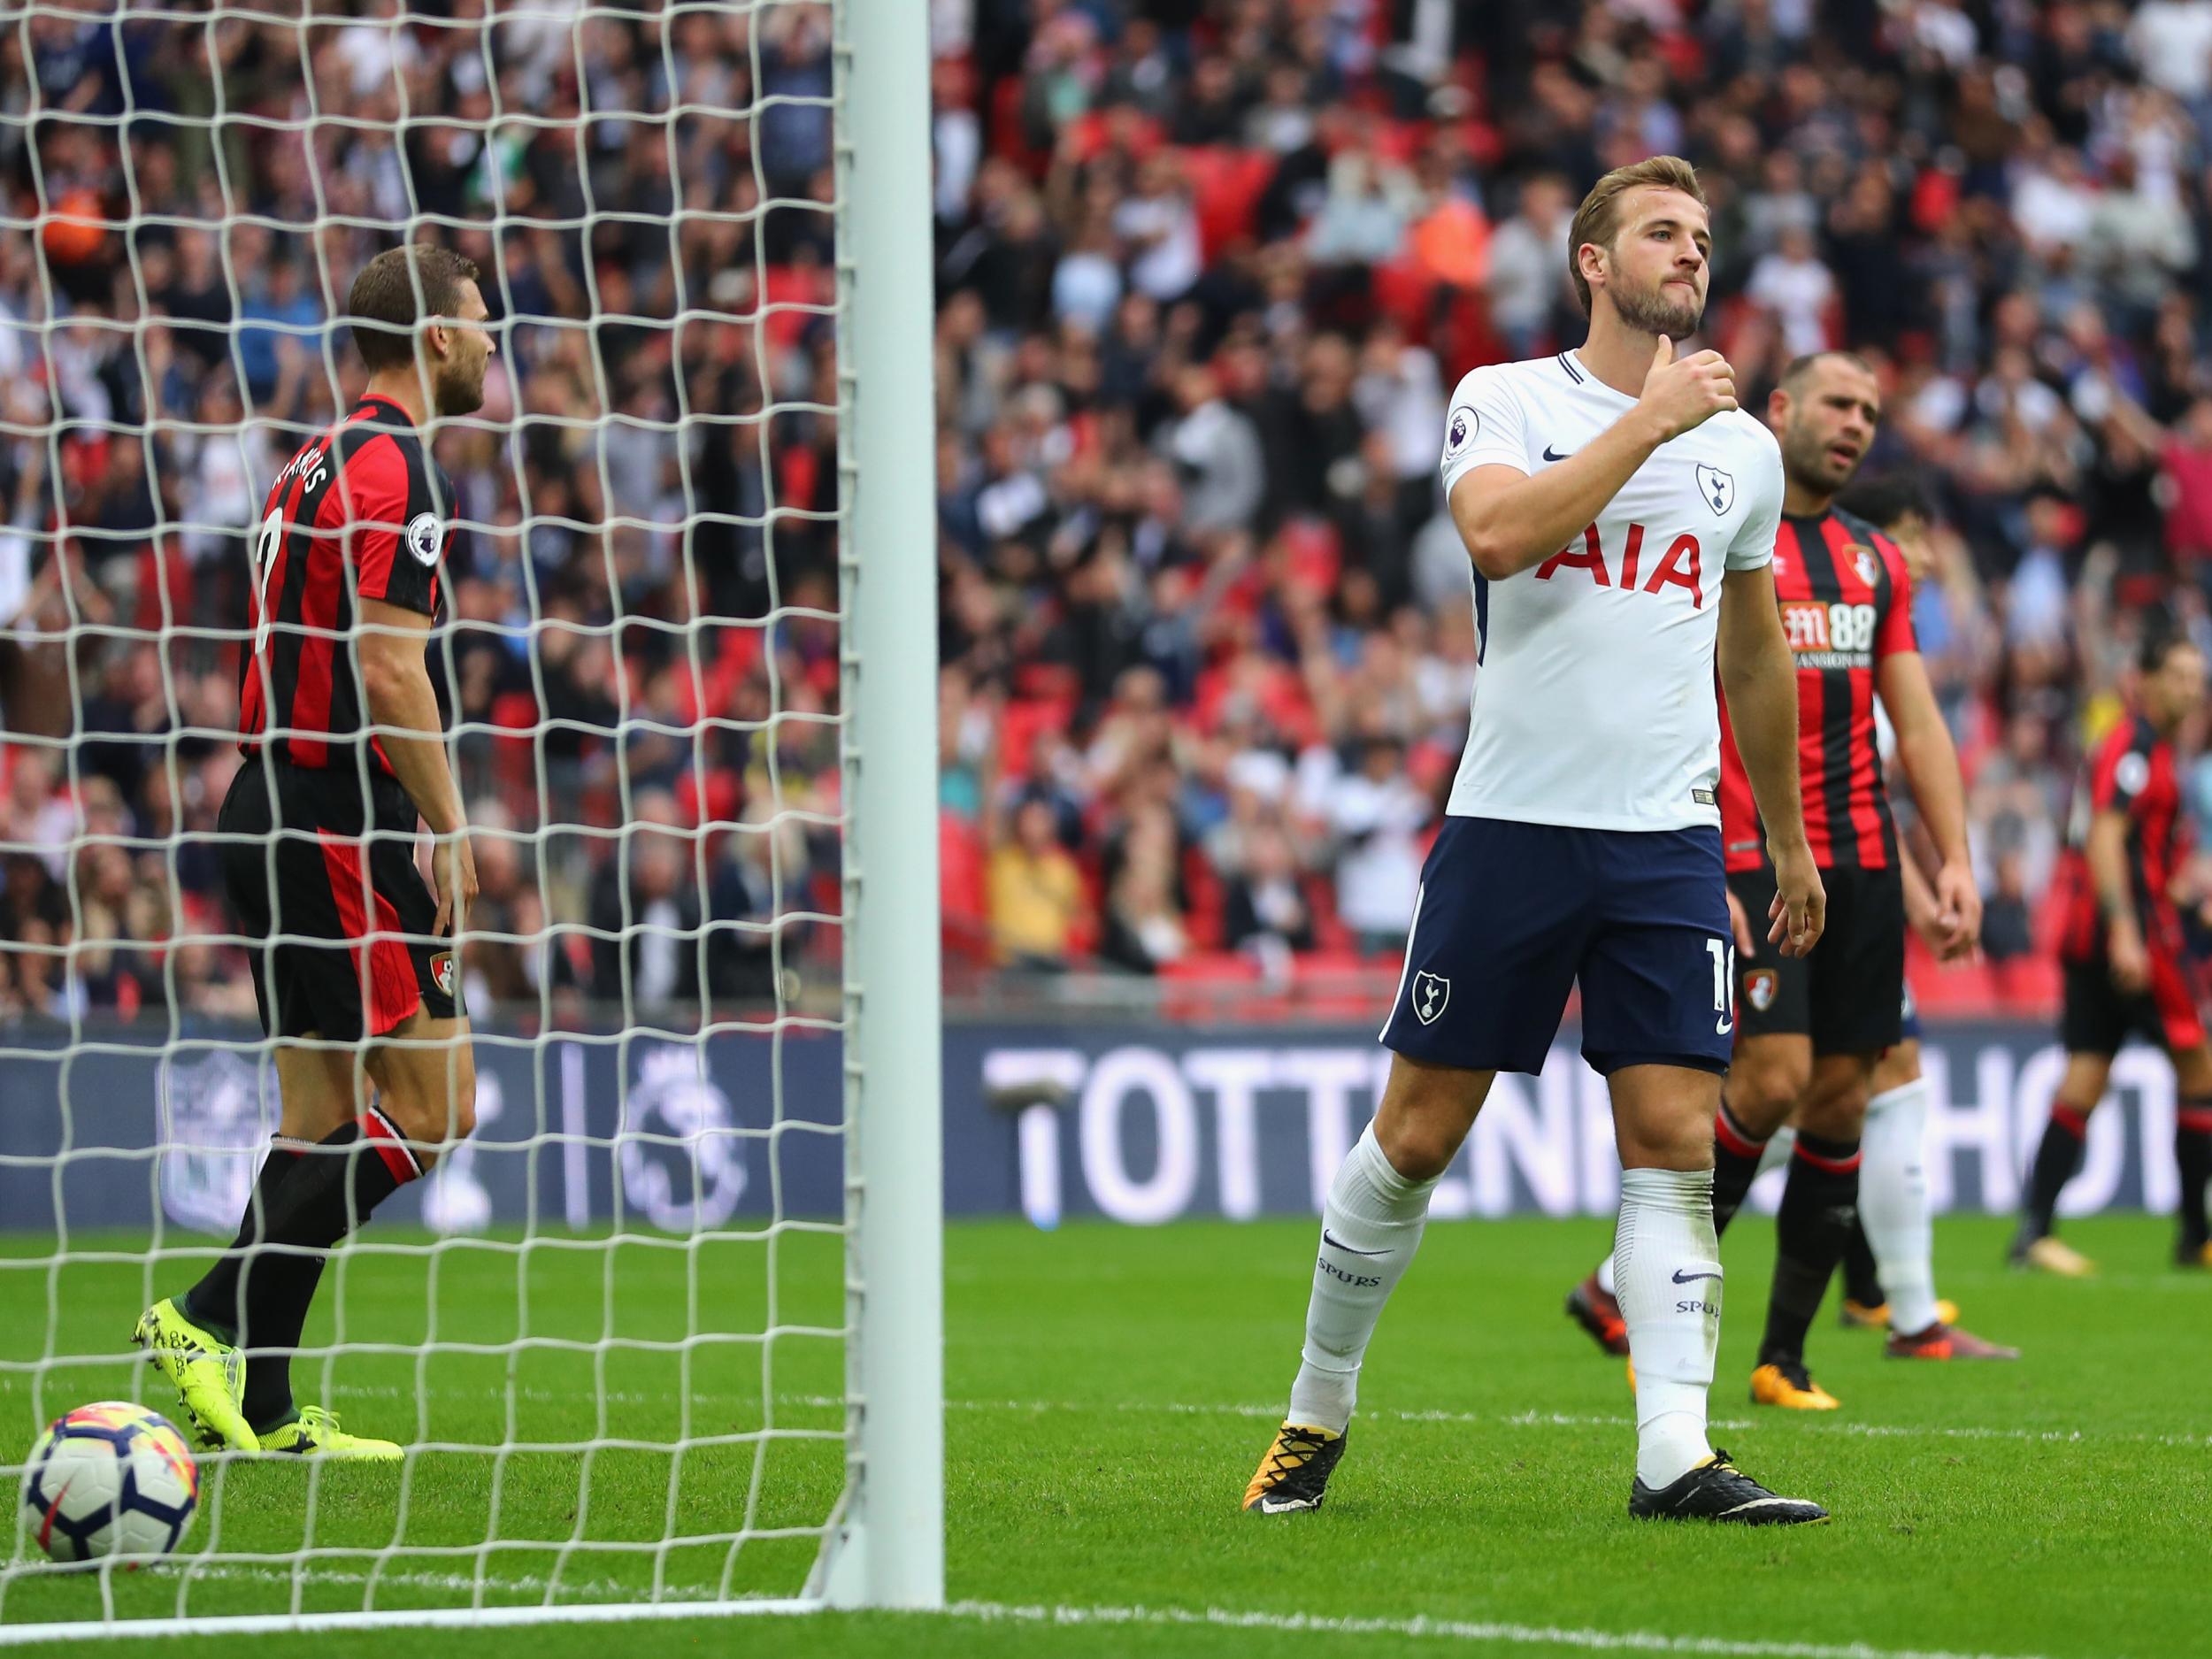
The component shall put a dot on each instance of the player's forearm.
(1932, 765)
(1759, 679)
(2107, 856)
(403, 709)
(1516, 527)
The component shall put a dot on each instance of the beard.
(460, 389)
(1648, 310)
(1807, 461)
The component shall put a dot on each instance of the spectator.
(1793, 283)
(1160, 229)
(645, 921)
(2008, 928)
(1528, 266)
(1266, 905)
(1036, 893)
(35, 818)
(1218, 453)
(1144, 929)
(1377, 815)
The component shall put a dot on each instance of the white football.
(111, 1478)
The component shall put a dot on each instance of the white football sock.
(1605, 1277)
(1668, 1260)
(1893, 1203)
(1370, 1228)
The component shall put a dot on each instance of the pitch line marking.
(671, 1606)
(1548, 1419)
(1504, 1419)
(1450, 1630)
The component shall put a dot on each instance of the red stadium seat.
(1019, 729)
(1203, 986)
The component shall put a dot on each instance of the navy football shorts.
(1511, 915)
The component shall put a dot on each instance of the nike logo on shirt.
(1681, 1278)
(1337, 1244)
(1548, 456)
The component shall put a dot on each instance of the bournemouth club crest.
(1429, 993)
(442, 970)
(1760, 986)
(1870, 567)
(1718, 487)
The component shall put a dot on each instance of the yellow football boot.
(1791, 1387)
(315, 1433)
(209, 1376)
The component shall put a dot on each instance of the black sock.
(335, 1187)
(2056, 1161)
(280, 1286)
(1735, 1165)
(213, 1303)
(1862, 1280)
(1819, 1208)
(2192, 1151)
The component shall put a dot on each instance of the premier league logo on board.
(1718, 487)
(1760, 986)
(214, 1127)
(683, 1162)
(1429, 993)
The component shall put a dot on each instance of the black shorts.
(1848, 995)
(341, 918)
(2098, 1015)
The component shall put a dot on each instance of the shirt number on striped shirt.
(264, 552)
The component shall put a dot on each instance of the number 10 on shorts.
(1723, 956)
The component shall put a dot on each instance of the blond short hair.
(1598, 220)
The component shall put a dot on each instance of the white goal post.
(892, 1555)
(584, 1147)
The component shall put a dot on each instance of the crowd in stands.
(643, 588)
(1206, 273)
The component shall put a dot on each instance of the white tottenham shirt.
(1594, 705)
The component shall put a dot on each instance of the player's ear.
(1590, 260)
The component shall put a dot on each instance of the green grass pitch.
(1110, 1391)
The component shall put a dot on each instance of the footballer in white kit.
(1621, 540)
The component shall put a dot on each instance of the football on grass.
(111, 1479)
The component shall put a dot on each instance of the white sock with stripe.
(1370, 1228)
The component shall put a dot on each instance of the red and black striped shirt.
(2132, 772)
(363, 510)
(1846, 603)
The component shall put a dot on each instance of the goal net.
(633, 1336)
